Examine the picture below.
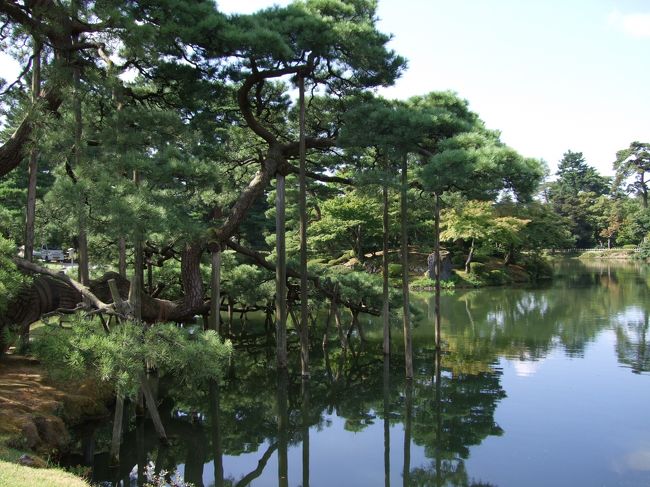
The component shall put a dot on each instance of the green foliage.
(537, 266)
(10, 278)
(249, 284)
(358, 286)
(485, 274)
(574, 196)
(394, 270)
(351, 218)
(644, 249)
(633, 164)
(424, 282)
(497, 277)
(635, 222)
(545, 230)
(118, 357)
(478, 269)
(472, 220)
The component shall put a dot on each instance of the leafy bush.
(537, 267)
(193, 357)
(249, 284)
(10, 278)
(425, 282)
(497, 277)
(474, 280)
(644, 249)
(394, 270)
(478, 268)
(458, 259)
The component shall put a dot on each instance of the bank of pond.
(536, 385)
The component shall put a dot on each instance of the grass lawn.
(14, 475)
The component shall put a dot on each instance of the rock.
(30, 435)
(445, 268)
(33, 462)
(52, 432)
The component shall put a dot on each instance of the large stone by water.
(445, 267)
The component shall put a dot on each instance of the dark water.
(537, 387)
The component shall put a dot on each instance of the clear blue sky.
(552, 75)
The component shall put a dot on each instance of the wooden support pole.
(152, 407)
(215, 293)
(408, 346)
(280, 275)
(117, 430)
(304, 298)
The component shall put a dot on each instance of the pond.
(545, 386)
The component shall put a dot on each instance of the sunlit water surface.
(544, 386)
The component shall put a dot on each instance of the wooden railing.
(597, 249)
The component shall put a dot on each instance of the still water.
(545, 386)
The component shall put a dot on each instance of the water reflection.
(632, 347)
(527, 324)
(441, 410)
(260, 427)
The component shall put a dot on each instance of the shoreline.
(35, 416)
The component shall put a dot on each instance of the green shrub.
(537, 267)
(193, 357)
(463, 278)
(426, 283)
(10, 278)
(478, 268)
(497, 277)
(644, 250)
(394, 270)
(458, 259)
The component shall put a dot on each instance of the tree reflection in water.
(444, 411)
(632, 347)
(447, 409)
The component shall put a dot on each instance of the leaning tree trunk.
(304, 298)
(33, 161)
(12, 152)
(280, 275)
(510, 256)
(468, 262)
(408, 347)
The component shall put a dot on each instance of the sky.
(551, 75)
